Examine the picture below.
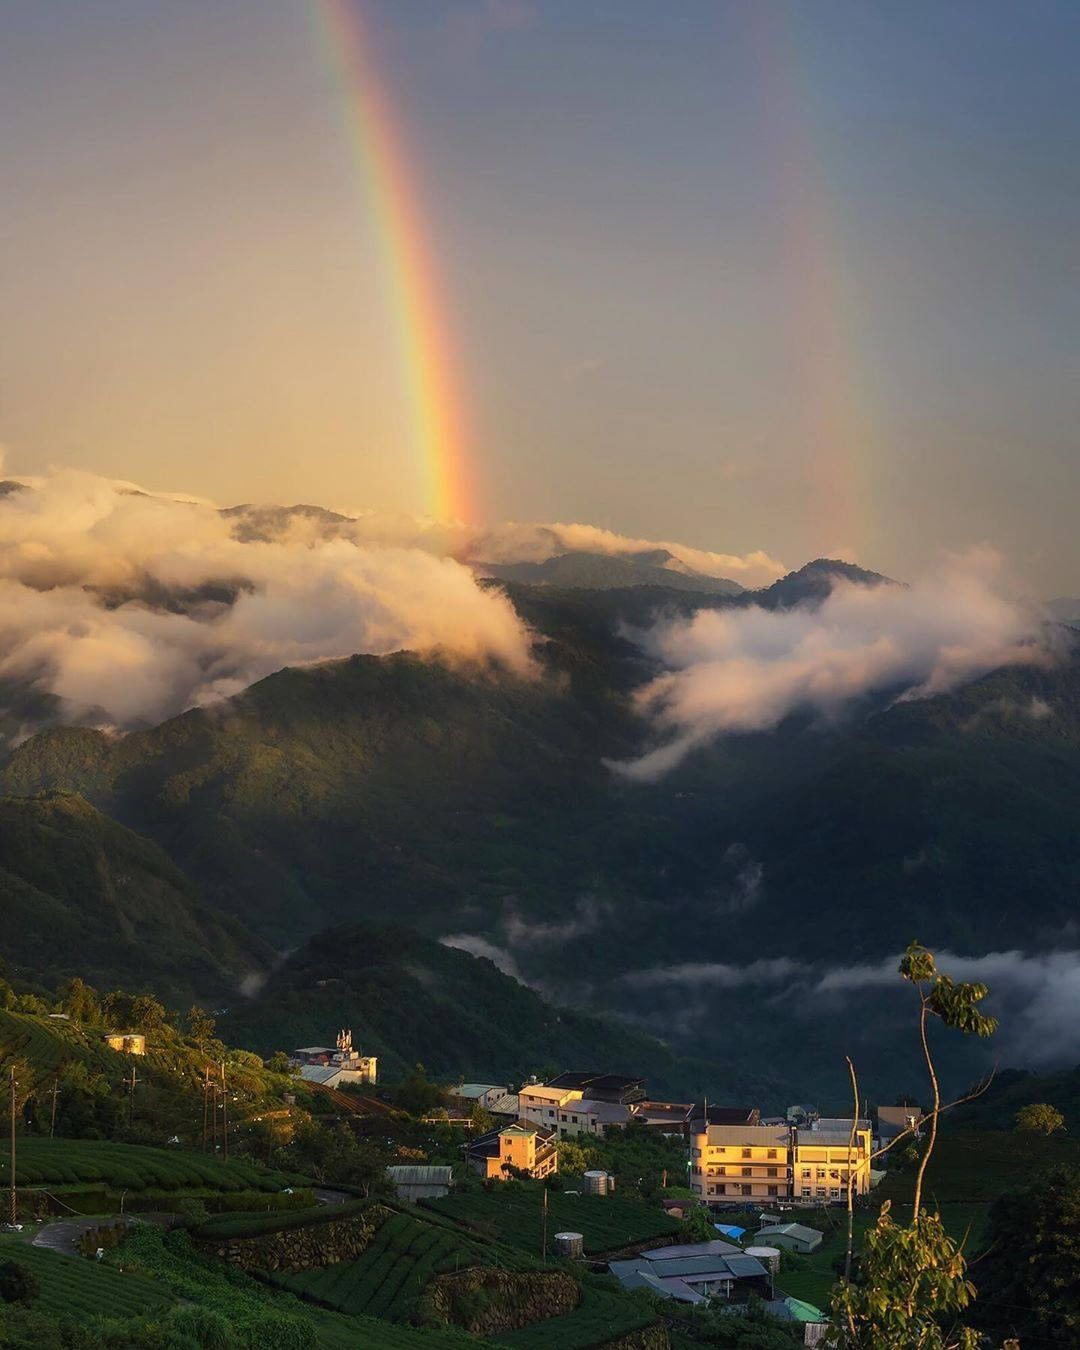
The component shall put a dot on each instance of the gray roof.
(315, 1050)
(419, 1175)
(637, 1275)
(827, 1123)
(476, 1089)
(756, 1136)
(826, 1139)
(683, 1249)
(794, 1230)
(745, 1267)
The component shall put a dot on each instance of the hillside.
(410, 1000)
(85, 896)
(395, 789)
(606, 571)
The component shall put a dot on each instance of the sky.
(754, 275)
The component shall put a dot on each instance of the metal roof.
(684, 1249)
(418, 1175)
(795, 1230)
(771, 1136)
(476, 1089)
(827, 1139)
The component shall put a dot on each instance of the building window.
(806, 1190)
(771, 1153)
(770, 1171)
(821, 1190)
(574, 1119)
(748, 1190)
(721, 1189)
(748, 1171)
(821, 1174)
(835, 1193)
(806, 1174)
(773, 1190)
(747, 1153)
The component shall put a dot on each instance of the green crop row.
(257, 1224)
(599, 1318)
(513, 1213)
(72, 1286)
(132, 1167)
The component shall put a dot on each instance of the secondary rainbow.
(414, 291)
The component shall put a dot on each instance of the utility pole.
(55, 1090)
(131, 1096)
(11, 1087)
(224, 1115)
(543, 1227)
(205, 1100)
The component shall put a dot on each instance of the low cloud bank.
(1036, 997)
(133, 607)
(743, 670)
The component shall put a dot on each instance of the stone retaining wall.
(322, 1244)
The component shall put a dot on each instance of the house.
(524, 1146)
(333, 1068)
(603, 1087)
(801, 1114)
(127, 1042)
(412, 1183)
(894, 1120)
(467, 1097)
(703, 1112)
(740, 1162)
(693, 1272)
(794, 1237)
(822, 1160)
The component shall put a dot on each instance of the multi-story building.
(522, 1147)
(823, 1160)
(740, 1162)
(581, 1103)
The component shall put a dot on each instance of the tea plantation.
(77, 1288)
(512, 1214)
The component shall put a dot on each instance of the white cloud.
(746, 669)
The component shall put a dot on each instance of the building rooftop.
(827, 1139)
(547, 1092)
(793, 1230)
(418, 1175)
(827, 1124)
(319, 1073)
(683, 1249)
(476, 1089)
(724, 1115)
(576, 1081)
(757, 1136)
(315, 1050)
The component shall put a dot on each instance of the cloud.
(742, 670)
(1036, 997)
(520, 933)
(133, 606)
(481, 947)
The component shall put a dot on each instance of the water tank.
(768, 1256)
(596, 1183)
(570, 1245)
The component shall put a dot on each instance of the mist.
(746, 669)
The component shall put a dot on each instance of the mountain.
(812, 583)
(410, 1000)
(84, 896)
(609, 571)
(729, 907)
(1066, 609)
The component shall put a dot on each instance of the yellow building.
(740, 1162)
(523, 1147)
(821, 1164)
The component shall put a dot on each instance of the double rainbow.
(414, 291)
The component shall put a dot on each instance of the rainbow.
(414, 292)
(832, 385)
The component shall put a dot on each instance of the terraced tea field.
(405, 1254)
(600, 1317)
(135, 1167)
(46, 1042)
(72, 1286)
(512, 1214)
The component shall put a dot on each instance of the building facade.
(823, 1160)
(522, 1147)
(740, 1162)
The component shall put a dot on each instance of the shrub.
(17, 1284)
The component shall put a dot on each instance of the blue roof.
(731, 1230)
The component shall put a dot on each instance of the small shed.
(795, 1237)
(412, 1183)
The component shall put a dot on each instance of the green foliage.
(600, 1317)
(134, 1167)
(1040, 1117)
(18, 1284)
(912, 1284)
(1029, 1272)
(512, 1212)
(73, 1287)
(223, 1226)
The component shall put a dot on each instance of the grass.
(511, 1213)
(75, 1287)
(133, 1167)
(46, 1043)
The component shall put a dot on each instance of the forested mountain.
(84, 896)
(485, 806)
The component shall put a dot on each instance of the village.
(736, 1164)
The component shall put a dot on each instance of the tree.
(200, 1025)
(1040, 1118)
(698, 1225)
(18, 1284)
(912, 1281)
(1030, 1270)
(80, 1001)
